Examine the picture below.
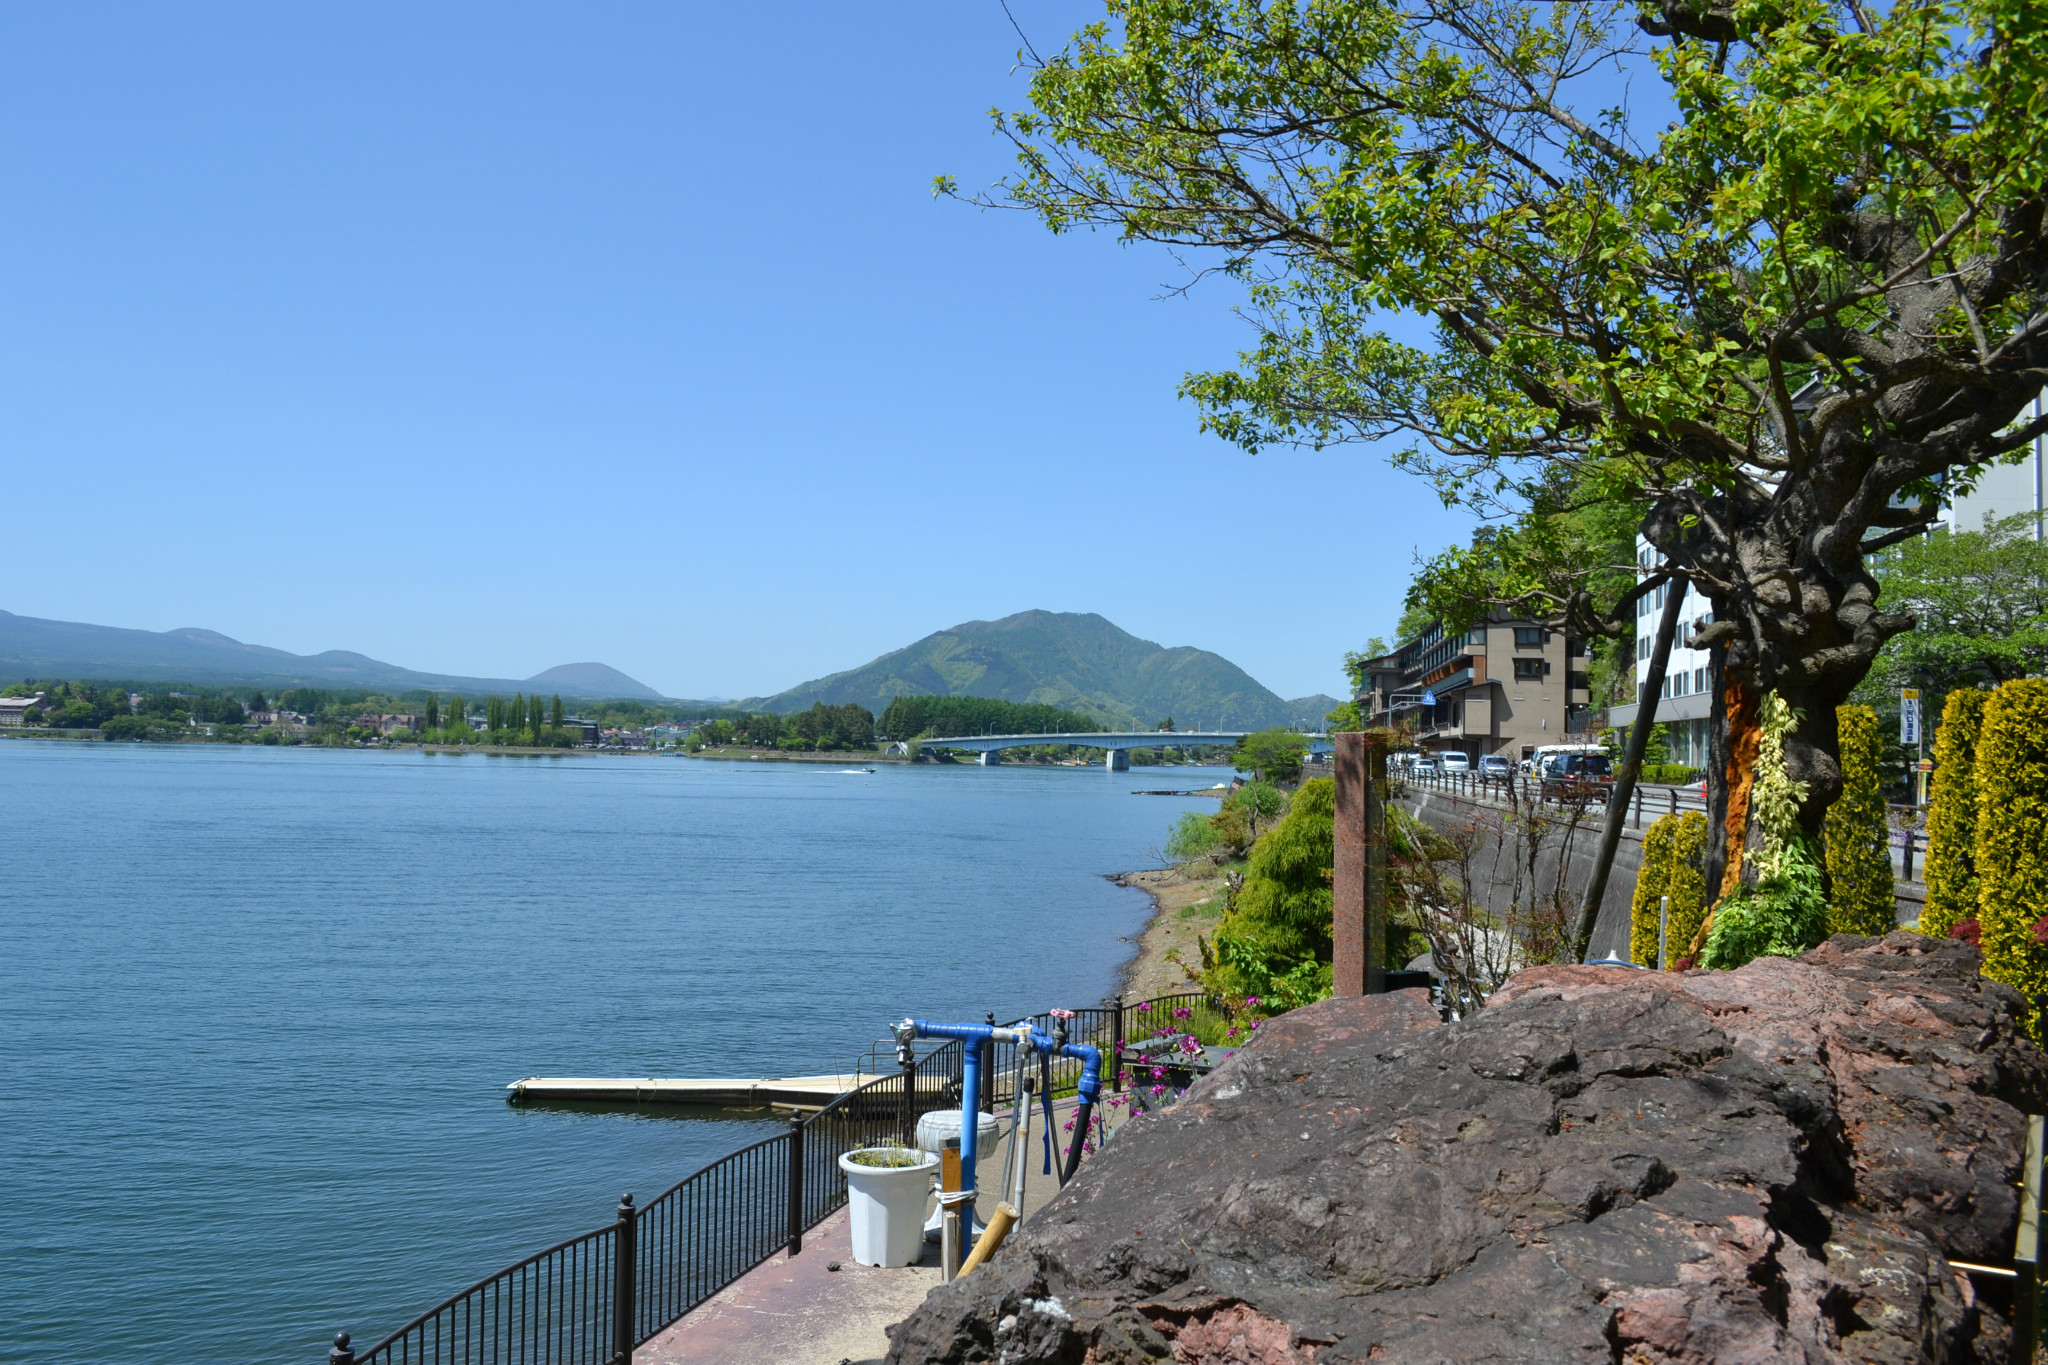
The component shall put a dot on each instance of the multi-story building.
(1503, 687)
(1685, 703)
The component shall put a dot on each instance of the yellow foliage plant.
(1861, 896)
(1951, 869)
(2012, 835)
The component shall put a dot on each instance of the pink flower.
(1061, 1014)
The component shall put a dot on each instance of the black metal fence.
(592, 1299)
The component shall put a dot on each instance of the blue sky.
(482, 338)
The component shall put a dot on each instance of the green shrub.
(1951, 868)
(1783, 912)
(1675, 774)
(1193, 835)
(2012, 834)
(1862, 899)
(139, 727)
(1674, 865)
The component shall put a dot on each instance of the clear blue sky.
(482, 338)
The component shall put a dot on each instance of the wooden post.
(2027, 1250)
(1358, 959)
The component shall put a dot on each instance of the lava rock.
(1771, 1164)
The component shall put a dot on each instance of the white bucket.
(887, 1204)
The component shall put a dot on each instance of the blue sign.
(1428, 698)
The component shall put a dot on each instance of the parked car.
(1495, 765)
(1577, 776)
(1454, 761)
(1423, 764)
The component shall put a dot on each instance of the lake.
(260, 1005)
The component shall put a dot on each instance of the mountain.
(31, 647)
(1080, 662)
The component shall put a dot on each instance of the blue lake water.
(259, 1006)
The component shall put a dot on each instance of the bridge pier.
(1117, 760)
(990, 757)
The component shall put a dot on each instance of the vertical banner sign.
(1909, 715)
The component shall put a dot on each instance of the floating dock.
(727, 1094)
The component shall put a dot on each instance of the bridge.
(1116, 744)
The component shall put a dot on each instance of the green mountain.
(1079, 662)
(33, 648)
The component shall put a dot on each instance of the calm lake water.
(259, 1006)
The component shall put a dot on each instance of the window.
(1528, 637)
(1699, 680)
(1476, 635)
(1527, 670)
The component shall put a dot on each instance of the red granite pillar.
(1360, 875)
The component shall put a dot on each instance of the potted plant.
(886, 1188)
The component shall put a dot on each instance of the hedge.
(1674, 865)
(1861, 897)
(2012, 834)
(1951, 867)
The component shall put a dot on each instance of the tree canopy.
(1757, 273)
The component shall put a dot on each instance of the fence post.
(2027, 1250)
(1639, 808)
(796, 1183)
(624, 1260)
(341, 1353)
(1360, 869)
(1116, 1050)
(988, 1071)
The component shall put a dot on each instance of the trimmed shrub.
(1674, 865)
(1951, 868)
(1650, 883)
(2012, 835)
(1861, 897)
(1783, 912)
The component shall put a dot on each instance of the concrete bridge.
(1116, 744)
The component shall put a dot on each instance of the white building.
(2004, 490)
(1686, 702)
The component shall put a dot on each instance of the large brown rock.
(1772, 1164)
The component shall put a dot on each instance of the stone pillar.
(1360, 876)
(990, 757)
(1117, 760)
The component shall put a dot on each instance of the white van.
(1455, 761)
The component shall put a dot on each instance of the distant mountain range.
(31, 647)
(1078, 661)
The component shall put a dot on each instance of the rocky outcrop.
(1772, 1164)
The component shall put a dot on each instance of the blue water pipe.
(974, 1038)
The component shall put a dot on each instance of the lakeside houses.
(1505, 686)
(14, 710)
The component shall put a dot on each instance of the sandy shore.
(1185, 904)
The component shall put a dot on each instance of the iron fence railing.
(591, 1300)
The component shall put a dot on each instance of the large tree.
(1762, 271)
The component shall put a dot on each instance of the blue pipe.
(974, 1037)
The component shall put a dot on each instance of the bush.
(1194, 834)
(1951, 868)
(1675, 774)
(1275, 940)
(2012, 835)
(1861, 896)
(139, 727)
(1783, 912)
(1674, 865)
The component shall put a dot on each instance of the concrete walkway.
(795, 1311)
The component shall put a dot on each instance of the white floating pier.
(731, 1094)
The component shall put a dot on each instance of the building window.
(1699, 680)
(1528, 637)
(1528, 670)
(1476, 635)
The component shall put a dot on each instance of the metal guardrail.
(591, 1300)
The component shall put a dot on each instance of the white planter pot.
(887, 1204)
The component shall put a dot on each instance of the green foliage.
(1980, 603)
(1275, 940)
(912, 717)
(140, 727)
(1951, 867)
(1626, 295)
(1674, 858)
(1861, 893)
(2012, 835)
(1783, 912)
(1274, 755)
(1678, 774)
(1193, 835)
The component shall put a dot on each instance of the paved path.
(794, 1311)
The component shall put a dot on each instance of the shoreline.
(1185, 905)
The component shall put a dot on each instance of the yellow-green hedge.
(1861, 898)
(1951, 869)
(1674, 865)
(2012, 834)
